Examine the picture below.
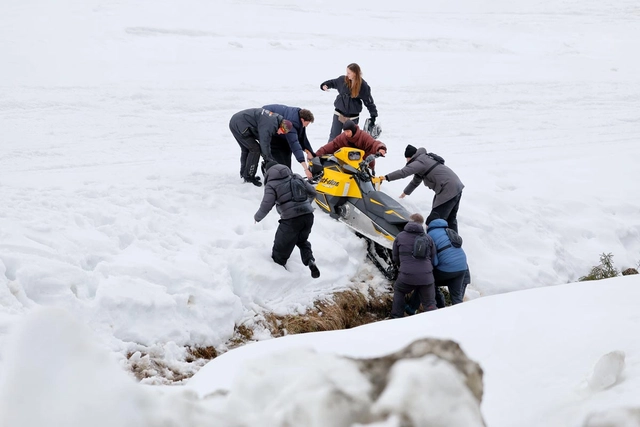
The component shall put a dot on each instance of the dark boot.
(315, 273)
(255, 180)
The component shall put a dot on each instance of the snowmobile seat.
(386, 207)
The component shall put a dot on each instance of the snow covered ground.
(119, 177)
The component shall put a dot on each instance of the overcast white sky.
(122, 204)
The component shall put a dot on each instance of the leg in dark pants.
(449, 211)
(306, 254)
(400, 290)
(431, 293)
(454, 281)
(250, 153)
(291, 233)
(440, 301)
(424, 294)
(281, 151)
(427, 296)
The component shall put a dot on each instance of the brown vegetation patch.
(207, 353)
(345, 310)
(144, 366)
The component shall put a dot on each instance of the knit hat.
(350, 125)
(269, 164)
(286, 125)
(410, 151)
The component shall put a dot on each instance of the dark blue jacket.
(298, 141)
(451, 259)
(348, 106)
(413, 271)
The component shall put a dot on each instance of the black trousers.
(424, 293)
(281, 151)
(293, 232)
(249, 152)
(449, 211)
(455, 283)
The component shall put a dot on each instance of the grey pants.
(336, 127)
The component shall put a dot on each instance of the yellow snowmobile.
(349, 192)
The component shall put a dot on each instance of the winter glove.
(372, 121)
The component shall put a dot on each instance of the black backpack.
(439, 161)
(437, 158)
(421, 246)
(298, 188)
(454, 238)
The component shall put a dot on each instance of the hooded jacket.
(359, 139)
(259, 123)
(440, 179)
(277, 191)
(451, 259)
(345, 104)
(413, 271)
(298, 141)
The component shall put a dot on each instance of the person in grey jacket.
(414, 274)
(296, 218)
(436, 176)
(253, 129)
(353, 91)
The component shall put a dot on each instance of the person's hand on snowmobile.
(381, 152)
(309, 174)
(307, 171)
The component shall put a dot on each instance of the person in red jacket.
(353, 136)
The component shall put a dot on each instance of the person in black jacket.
(253, 129)
(414, 274)
(353, 91)
(296, 217)
(294, 142)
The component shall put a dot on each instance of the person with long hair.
(353, 91)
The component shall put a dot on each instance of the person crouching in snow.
(414, 273)
(296, 214)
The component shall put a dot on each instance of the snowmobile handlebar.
(371, 157)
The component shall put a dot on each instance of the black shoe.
(255, 180)
(315, 273)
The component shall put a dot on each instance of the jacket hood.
(420, 151)
(414, 227)
(437, 223)
(277, 172)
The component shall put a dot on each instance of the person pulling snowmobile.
(348, 191)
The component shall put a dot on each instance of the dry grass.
(207, 353)
(347, 309)
(344, 310)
